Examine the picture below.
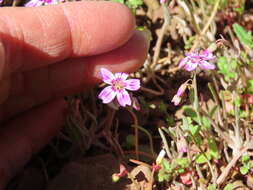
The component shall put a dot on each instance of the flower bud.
(160, 157)
(115, 178)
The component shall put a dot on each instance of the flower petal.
(132, 84)
(183, 62)
(107, 75)
(51, 2)
(190, 66)
(34, 3)
(181, 89)
(123, 98)
(192, 54)
(206, 65)
(206, 55)
(122, 76)
(107, 95)
(176, 100)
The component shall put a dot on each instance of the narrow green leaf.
(213, 110)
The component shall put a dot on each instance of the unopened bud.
(136, 104)
(115, 178)
(182, 145)
(176, 100)
(160, 157)
(180, 92)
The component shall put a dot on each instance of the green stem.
(149, 137)
(196, 99)
(136, 133)
(195, 87)
(165, 143)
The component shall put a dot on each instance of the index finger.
(35, 37)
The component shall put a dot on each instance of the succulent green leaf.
(194, 129)
(166, 165)
(190, 112)
(244, 36)
(227, 68)
(228, 187)
(212, 148)
(182, 162)
(206, 123)
(211, 187)
(133, 4)
(118, 1)
(244, 169)
(250, 86)
(203, 158)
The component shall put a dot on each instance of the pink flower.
(118, 87)
(36, 3)
(195, 59)
(162, 1)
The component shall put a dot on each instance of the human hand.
(50, 52)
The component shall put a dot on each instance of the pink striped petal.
(132, 84)
(124, 98)
(106, 75)
(122, 76)
(34, 3)
(206, 55)
(107, 95)
(190, 66)
(206, 65)
(51, 2)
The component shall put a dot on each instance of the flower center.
(196, 59)
(118, 85)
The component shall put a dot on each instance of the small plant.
(247, 164)
(132, 4)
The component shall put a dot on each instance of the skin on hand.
(50, 52)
